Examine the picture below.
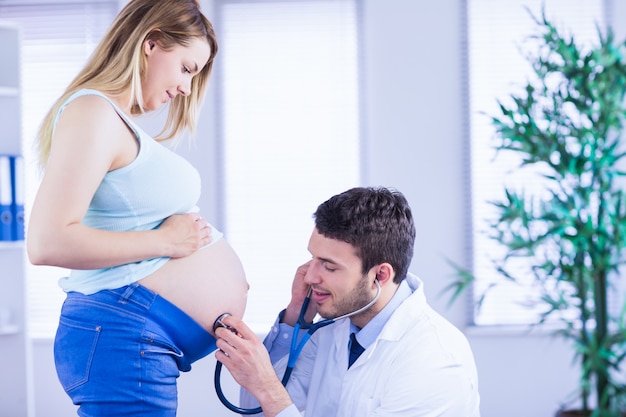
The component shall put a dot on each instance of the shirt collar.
(368, 334)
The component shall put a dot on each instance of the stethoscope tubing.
(294, 351)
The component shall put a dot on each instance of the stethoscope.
(294, 351)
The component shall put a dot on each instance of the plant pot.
(572, 413)
(576, 413)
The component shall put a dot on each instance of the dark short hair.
(377, 221)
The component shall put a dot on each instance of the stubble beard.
(358, 298)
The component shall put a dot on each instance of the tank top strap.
(87, 91)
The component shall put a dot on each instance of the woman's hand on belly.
(184, 234)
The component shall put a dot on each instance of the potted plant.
(567, 127)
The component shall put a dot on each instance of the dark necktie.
(355, 350)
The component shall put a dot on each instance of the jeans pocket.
(74, 347)
(156, 347)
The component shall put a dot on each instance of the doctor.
(411, 362)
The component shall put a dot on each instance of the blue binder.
(17, 208)
(6, 198)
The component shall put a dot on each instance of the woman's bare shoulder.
(92, 114)
(91, 107)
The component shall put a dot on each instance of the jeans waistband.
(191, 338)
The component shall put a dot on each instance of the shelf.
(9, 330)
(8, 24)
(11, 244)
(9, 91)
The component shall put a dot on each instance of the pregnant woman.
(149, 275)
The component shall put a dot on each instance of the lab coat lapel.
(399, 323)
(341, 335)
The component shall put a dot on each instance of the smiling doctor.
(412, 361)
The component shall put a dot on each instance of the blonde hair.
(118, 62)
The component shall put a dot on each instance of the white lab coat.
(419, 366)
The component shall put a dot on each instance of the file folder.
(17, 209)
(6, 198)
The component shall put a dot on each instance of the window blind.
(497, 68)
(57, 38)
(290, 132)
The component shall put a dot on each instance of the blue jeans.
(119, 352)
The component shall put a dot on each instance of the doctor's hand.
(299, 291)
(247, 360)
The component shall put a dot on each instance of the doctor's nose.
(312, 275)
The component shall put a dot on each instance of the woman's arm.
(90, 140)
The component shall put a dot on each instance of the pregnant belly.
(204, 285)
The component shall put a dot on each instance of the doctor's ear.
(384, 273)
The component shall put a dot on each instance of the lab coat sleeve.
(277, 342)
(446, 393)
(290, 411)
(298, 385)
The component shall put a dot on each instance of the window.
(496, 68)
(289, 103)
(57, 38)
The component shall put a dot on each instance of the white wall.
(415, 139)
